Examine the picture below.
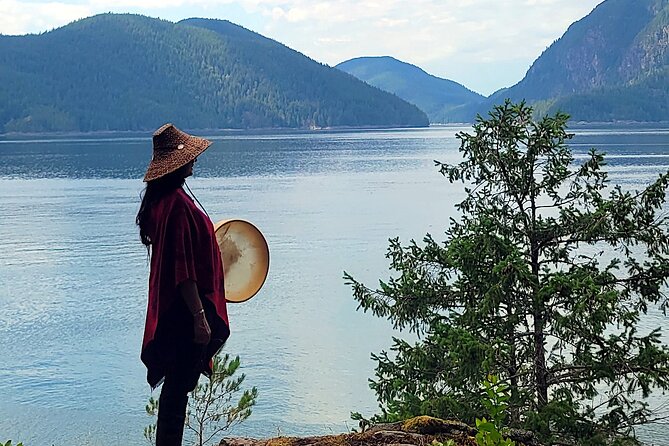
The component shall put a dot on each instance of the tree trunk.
(540, 381)
(540, 378)
(513, 373)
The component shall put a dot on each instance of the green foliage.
(129, 72)
(645, 100)
(490, 432)
(150, 430)
(495, 400)
(363, 423)
(9, 443)
(489, 435)
(448, 442)
(210, 407)
(541, 281)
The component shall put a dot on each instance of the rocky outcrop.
(418, 431)
(618, 42)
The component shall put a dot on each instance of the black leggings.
(179, 381)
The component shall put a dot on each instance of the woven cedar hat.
(173, 149)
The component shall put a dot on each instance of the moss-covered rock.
(418, 431)
(431, 425)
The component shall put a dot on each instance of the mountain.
(441, 99)
(611, 65)
(130, 72)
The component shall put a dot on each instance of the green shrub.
(210, 411)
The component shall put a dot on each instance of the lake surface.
(73, 275)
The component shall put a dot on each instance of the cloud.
(20, 17)
(442, 36)
(390, 23)
(155, 4)
(328, 12)
(331, 40)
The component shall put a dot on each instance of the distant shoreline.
(209, 131)
(118, 134)
(661, 124)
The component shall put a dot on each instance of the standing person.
(186, 320)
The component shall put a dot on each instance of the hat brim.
(164, 163)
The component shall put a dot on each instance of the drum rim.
(222, 223)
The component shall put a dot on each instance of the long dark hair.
(154, 191)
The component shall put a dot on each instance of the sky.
(483, 44)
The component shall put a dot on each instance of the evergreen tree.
(542, 281)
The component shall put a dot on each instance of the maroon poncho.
(183, 247)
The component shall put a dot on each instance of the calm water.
(73, 273)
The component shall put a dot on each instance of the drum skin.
(245, 256)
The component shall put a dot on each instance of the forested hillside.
(646, 100)
(442, 99)
(130, 72)
(611, 65)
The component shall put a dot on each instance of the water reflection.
(73, 273)
(289, 154)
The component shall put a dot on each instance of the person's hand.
(202, 333)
